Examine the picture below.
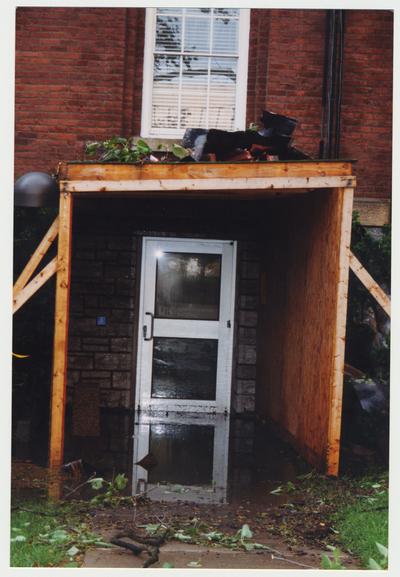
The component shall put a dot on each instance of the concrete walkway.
(182, 554)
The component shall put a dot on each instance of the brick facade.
(366, 107)
(79, 77)
(294, 71)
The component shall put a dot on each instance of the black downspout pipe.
(339, 82)
(332, 84)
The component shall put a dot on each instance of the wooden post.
(335, 417)
(60, 346)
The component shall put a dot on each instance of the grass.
(347, 514)
(48, 535)
(353, 509)
(364, 523)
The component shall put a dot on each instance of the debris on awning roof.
(272, 142)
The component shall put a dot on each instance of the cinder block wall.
(79, 77)
(101, 360)
(104, 285)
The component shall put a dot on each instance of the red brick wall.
(71, 84)
(79, 77)
(367, 96)
(290, 70)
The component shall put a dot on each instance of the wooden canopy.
(244, 180)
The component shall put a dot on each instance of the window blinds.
(194, 77)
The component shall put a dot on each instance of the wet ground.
(287, 507)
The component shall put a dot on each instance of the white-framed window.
(195, 70)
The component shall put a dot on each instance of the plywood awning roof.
(204, 180)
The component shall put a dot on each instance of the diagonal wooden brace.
(373, 288)
(33, 263)
(43, 276)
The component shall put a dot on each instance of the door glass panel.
(184, 368)
(183, 454)
(188, 286)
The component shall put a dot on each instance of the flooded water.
(199, 458)
(210, 459)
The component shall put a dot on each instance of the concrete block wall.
(103, 280)
(103, 284)
(244, 385)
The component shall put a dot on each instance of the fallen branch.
(18, 508)
(136, 550)
(153, 557)
(151, 545)
(293, 562)
(80, 486)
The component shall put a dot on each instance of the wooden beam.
(36, 258)
(29, 290)
(99, 171)
(372, 287)
(60, 346)
(230, 185)
(336, 389)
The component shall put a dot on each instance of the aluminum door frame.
(223, 329)
(216, 492)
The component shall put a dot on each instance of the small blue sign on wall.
(101, 321)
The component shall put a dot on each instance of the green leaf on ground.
(72, 551)
(194, 564)
(96, 483)
(245, 532)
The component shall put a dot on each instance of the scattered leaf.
(58, 536)
(260, 546)
(179, 151)
(18, 539)
(245, 532)
(277, 491)
(72, 551)
(372, 564)
(120, 482)
(96, 483)
(194, 564)
(182, 537)
(382, 550)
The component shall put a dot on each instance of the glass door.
(181, 458)
(186, 325)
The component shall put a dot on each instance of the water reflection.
(185, 458)
(181, 457)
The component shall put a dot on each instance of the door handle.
(149, 338)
